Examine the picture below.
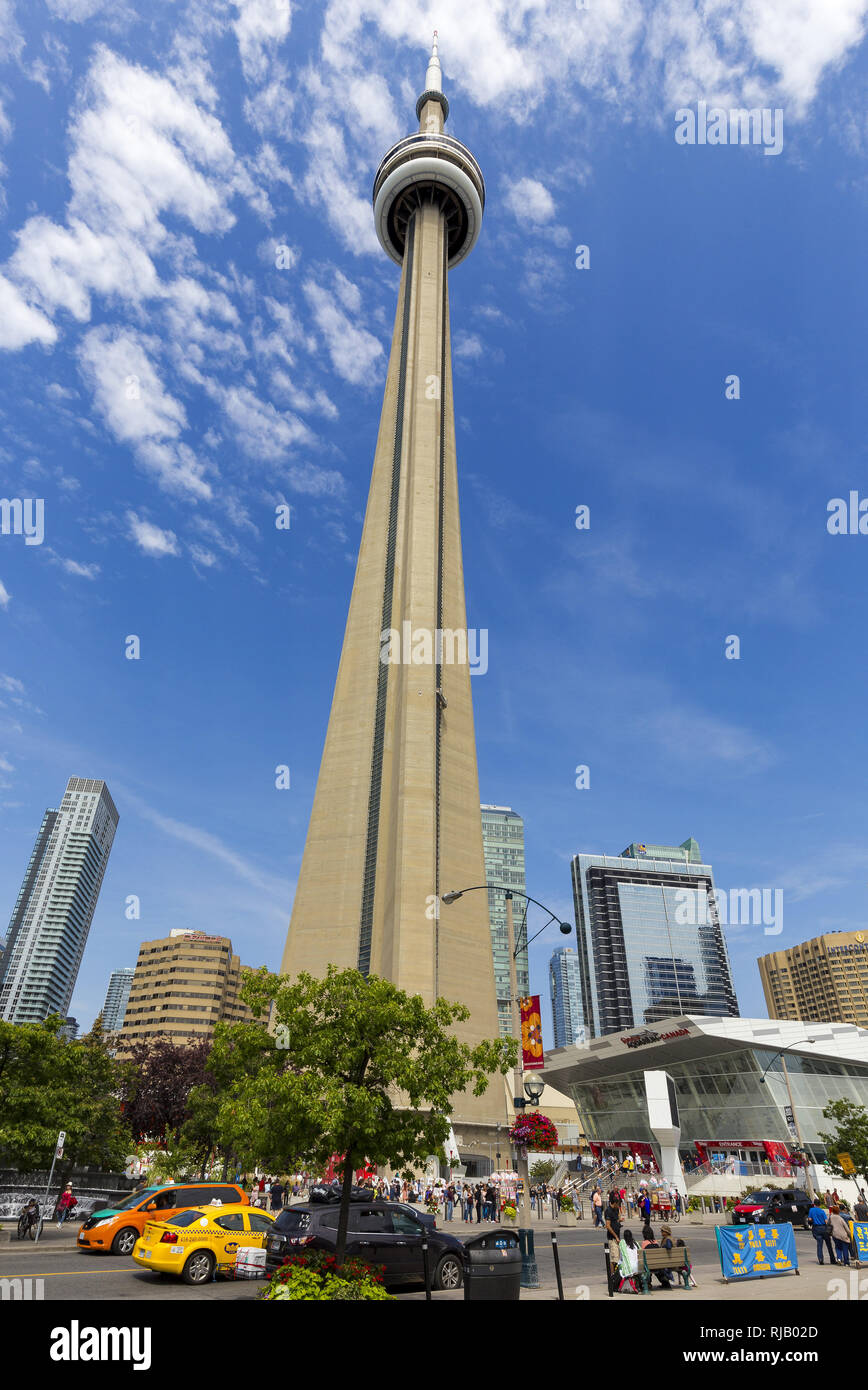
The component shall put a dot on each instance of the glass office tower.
(566, 995)
(503, 843)
(650, 941)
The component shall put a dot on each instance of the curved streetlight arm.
(452, 897)
(789, 1048)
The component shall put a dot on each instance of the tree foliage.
(543, 1170)
(47, 1085)
(850, 1137)
(356, 1069)
(155, 1085)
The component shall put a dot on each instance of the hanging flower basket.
(534, 1131)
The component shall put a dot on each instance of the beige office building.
(183, 985)
(824, 980)
(396, 820)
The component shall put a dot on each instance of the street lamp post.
(520, 1087)
(793, 1110)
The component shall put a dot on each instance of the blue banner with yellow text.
(755, 1252)
(859, 1231)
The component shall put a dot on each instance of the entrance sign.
(756, 1252)
(847, 1164)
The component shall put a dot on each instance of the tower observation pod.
(430, 167)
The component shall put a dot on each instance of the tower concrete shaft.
(396, 816)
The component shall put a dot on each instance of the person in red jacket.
(65, 1204)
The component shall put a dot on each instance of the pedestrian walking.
(597, 1205)
(276, 1195)
(66, 1202)
(822, 1232)
(840, 1234)
(612, 1218)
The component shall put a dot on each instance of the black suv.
(380, 1233)
(773, 1206)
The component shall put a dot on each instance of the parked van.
(115, 1230)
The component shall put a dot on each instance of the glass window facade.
(503, 844)
(644, 953)
(720, 1096)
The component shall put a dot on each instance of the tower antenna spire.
(434, 75)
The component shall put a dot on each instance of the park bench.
(677, 1259)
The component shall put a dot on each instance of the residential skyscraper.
(183, 985)
(649, 937)
(566, 995)
(503, 845)
(824, 980)
(55, 906)
(116, 997)
(395, 820)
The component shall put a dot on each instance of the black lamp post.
(533, 1089)
(796, 1124)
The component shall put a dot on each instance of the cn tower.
(396, 816)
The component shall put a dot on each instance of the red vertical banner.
(531, 1034)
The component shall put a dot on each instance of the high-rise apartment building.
(824, 980)
(182, 986)
(650, 943)
(116, 997)
(55, 906)
(503, 847)
(566, 995)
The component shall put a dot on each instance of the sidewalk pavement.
(50, 1232)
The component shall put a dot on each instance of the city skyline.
(173, 379)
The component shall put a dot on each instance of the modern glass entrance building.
(717, 1065)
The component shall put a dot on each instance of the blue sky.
(194, 316)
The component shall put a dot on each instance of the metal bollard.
(557, 1266)
(608, 1272)
(427, 1268)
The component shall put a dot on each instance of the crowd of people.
(624, 1249)
(829, 1225)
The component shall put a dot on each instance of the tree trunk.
(225, 1166)
(344, 1218)
(204, 1170)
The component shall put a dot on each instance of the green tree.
(356, 1070)
(543, 1170)
(48, 1085)
(850, 1137)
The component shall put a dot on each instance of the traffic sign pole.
(58, 1153)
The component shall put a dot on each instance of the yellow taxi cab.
(116, 1229)
(199, 1244)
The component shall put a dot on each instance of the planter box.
(566, 1218)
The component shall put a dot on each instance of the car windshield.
(292, 1220)
(759, 1198)
(186, 1218)
(134, 1198)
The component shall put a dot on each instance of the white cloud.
(355, 353)
(73, 567)
(5, 595)
(10, 685)
(151, 539)
(19, 322)
(77, 10)
(530, 200)
(261, 430)
(468, 346)
(260, 27)
(60, 266)
(128, 392)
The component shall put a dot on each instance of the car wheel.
(199, 1268)
(448, 1274)
(125, 1240)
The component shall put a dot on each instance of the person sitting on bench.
(664, 1276)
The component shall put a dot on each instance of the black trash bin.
(492, 1266)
